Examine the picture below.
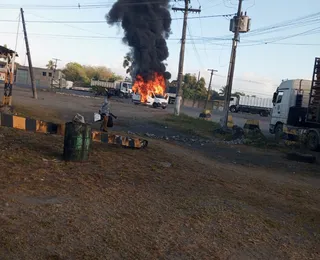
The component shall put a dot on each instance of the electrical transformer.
(244, 24)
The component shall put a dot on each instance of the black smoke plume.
(146, 25)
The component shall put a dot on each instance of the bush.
(98, 90)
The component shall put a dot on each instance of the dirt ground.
(168, 201)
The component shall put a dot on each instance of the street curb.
(39, 126)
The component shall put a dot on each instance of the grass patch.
(190, 125)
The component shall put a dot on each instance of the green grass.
(190, 125)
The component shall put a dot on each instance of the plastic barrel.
(77, 142)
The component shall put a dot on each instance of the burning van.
(154, 100)
(150, 92)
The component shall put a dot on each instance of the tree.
(192, 88)
(114, 77)
(75, 72)
(50, 65)
(98, 72)
(222, 91)
(214, 95)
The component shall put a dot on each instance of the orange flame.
(146, 88)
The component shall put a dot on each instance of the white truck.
(253, 105)
(172, 91)
(118, 88)
(154, 100)
(296, 110)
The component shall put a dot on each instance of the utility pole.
(209, 88)
(54, 70)
(34, 90)
(236, 38)
(185, 10)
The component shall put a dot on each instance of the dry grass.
(38, 112)
(125, 204)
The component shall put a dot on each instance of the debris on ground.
(150, 135)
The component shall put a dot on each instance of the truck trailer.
(253, 105)
(118, 88)
(296, 110)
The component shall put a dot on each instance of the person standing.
(105, 113)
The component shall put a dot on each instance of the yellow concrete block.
(41, 127)
(19, 122)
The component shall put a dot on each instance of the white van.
(155, 100)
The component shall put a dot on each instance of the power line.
(103, 21)
(194, 48)
(76, 6)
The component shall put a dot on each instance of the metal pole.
(231, 67)
(34, 90)
(209, 88)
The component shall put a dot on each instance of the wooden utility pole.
(209, 88)
(185, 10)
(34, 90)
(235, 41)
(54, 71)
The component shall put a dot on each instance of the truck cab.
(172, 93)
(124, 89)
(290, 104)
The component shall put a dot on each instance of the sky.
(280, 44)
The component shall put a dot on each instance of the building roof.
(5, 51)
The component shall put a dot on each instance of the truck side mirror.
(274, 98)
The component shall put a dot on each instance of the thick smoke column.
(146, 24)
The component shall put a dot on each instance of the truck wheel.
(313, 141)
(233, 109)
(154, 105)
(278, 132)
(164, 107)
(121, 95)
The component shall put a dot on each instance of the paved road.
(238, 118)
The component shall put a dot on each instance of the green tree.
(114, 77)
(50, 65)
(214, 95)
(76, 73)
(98, 72)
(192, 88)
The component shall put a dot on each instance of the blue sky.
(259, 68)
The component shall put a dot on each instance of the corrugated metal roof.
(5, 51)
